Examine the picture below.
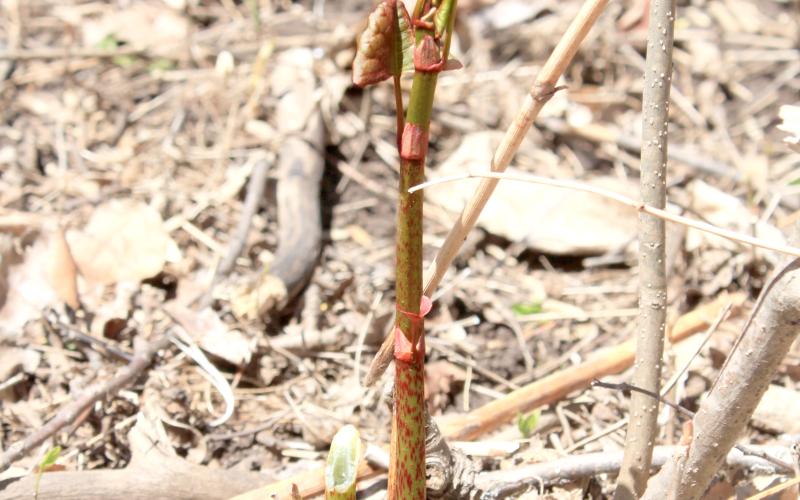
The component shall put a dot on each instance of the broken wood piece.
(300, 168)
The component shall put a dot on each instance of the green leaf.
(444, 16)
(795, 182)
(48, 460)
(342, 467)
(109, 42)
(124, 61)
(161, 64)
(404, 52)
(527, 423)
(522, 309)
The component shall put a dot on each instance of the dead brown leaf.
(125, 240)
(44, 278)
(439, 379)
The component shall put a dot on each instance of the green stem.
(407, 465)
(398, 104)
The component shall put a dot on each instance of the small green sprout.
(527, 423)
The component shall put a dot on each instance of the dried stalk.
(624, 200)
(541, 91)
(642, 430)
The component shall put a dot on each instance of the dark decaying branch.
(300, 167)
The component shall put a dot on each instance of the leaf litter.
(143, 166)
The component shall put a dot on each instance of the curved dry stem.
(624, 200)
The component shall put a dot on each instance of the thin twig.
(591, 464)
(142, 357)
(782, 465)
(643, 428)
(624, 386)
(624, 200)
(102, 346)
(667, 387)
(252, 200)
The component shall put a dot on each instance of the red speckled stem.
(407, 476)
(407, 468)
(407, 463)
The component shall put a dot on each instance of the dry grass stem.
(625, 200)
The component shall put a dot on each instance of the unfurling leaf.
(527, 308)
(386, 45)
(405, 39)
(47, 462)
(341, 470)
(49, 458)
(374, 53)
(527, 423)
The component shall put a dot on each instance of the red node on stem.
(404, 350)
(414, 142)
(428, 56)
